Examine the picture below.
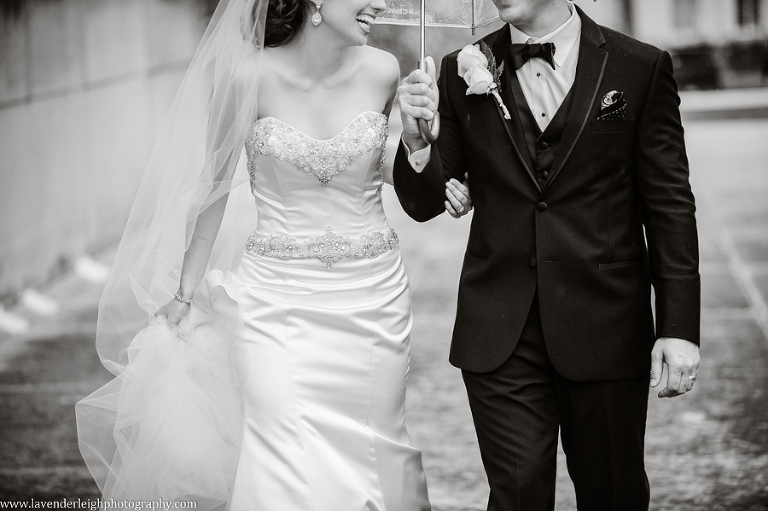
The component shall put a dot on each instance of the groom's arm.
(420, 192)
(421, 188)
(668, 212)
(668, 208)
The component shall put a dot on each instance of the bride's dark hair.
(284, 20)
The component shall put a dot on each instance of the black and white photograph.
(384, 255)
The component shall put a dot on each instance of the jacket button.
(545, 174)
(532, 262)
(541, 206)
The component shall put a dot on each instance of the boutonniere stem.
(495, 93)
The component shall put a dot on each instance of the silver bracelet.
(182, 300)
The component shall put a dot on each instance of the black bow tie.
(521, 53)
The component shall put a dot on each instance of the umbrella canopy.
(440, 13)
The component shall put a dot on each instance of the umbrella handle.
(429, 130)
(430, 134)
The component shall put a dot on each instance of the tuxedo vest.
(540, 147)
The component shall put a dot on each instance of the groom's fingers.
(419, 76)
(657, 359)
(431, 72)
(675, 384)
(416, 112)
(418, 100)
(417, 89)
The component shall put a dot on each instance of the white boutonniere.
(477, 66)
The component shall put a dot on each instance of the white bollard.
(38, 303)
(12, 323)
(90, 270)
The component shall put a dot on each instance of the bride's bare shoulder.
(250, 63)
(380, 64)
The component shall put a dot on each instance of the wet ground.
(707, 450)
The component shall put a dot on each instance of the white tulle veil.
(168, 426)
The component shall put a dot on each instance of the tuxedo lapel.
(514, 126)
(589, 75)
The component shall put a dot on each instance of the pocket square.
(613, 106)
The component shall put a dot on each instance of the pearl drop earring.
(317, 18)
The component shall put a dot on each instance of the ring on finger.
(461, 209)
(692, 377)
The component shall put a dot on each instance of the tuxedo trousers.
(518, 409)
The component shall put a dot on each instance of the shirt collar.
(564, 37)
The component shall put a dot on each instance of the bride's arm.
(200, 247)
(195, 260)
(389, 157)
(208, 222)
(392, 79)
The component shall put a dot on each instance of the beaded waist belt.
(329, 248)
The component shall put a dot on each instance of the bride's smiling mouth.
(365, 21)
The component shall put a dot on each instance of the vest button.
(532, 262)
(543, 146)
(541, 206)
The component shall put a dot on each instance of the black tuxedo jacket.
(615, 217)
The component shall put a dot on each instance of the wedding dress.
(318, 312)
(327, 319)
(283, 389)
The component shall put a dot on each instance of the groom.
(582, 203)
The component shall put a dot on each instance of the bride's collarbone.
(318, 123)
(287, 72)
(320, 112)
(317, 107)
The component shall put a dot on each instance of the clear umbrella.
(438, 13)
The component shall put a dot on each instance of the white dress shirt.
(544, 88)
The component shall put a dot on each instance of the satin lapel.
(589, 76)
(514, 126)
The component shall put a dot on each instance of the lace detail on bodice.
(322, 159)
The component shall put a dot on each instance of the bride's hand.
(173, 312)
(459, 202)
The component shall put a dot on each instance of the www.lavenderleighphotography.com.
(384, 255)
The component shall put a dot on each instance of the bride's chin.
(359, 40)
(364, 32)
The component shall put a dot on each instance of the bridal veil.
(168, 426)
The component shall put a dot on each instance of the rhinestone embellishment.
(329, 248)
(322, 159)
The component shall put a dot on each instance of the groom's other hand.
(418, 98)
(681, 360)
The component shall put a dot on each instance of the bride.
(272, 374)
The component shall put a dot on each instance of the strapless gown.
(327, 314)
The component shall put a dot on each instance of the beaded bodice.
(322, 159)
(305, 186)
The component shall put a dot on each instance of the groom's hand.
(418, 98)
(681, 360)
